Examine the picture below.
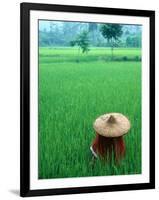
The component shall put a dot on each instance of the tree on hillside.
(111, 32)
(82, 41)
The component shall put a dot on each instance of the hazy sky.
(45, 24)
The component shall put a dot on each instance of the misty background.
(60, 33)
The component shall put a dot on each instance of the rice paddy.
(76, 88)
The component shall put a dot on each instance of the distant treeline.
(62, 33)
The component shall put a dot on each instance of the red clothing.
(104, 147)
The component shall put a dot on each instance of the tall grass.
(71, 96)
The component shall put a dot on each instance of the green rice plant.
(71, 96)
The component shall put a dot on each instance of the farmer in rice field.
(109, 142)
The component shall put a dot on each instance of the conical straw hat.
(112, 125)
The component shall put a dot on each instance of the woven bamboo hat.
(112, 125)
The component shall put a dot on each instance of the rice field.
(74, 89)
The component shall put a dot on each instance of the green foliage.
(71, 96)
(111, 32)
(133, 41)
(61, 33)
(82, 41)
(72, 43)
(92, 26)
(51, 39)
(68, 54)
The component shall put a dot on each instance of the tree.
(133, 41)
(82, 41)
(92, 29)
(111, 32)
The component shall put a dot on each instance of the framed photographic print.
(87, 99)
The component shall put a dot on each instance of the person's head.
(110, 129)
